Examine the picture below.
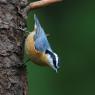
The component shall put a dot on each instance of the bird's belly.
(38, 61)
(38, 58)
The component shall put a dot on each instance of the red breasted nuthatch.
(38, 47)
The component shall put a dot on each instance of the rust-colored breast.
(36, 56)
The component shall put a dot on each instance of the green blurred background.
(71, 25)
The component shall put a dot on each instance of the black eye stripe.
(53, 57)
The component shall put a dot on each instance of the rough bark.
(12, 72)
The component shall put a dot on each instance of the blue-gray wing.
(41, 42)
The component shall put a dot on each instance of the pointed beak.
(55, 69)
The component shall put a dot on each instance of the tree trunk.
(13, 79)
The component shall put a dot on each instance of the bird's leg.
(27, 60)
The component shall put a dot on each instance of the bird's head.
(53, 60)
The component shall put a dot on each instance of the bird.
(38, 49)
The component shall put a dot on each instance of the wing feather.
(41, 42)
